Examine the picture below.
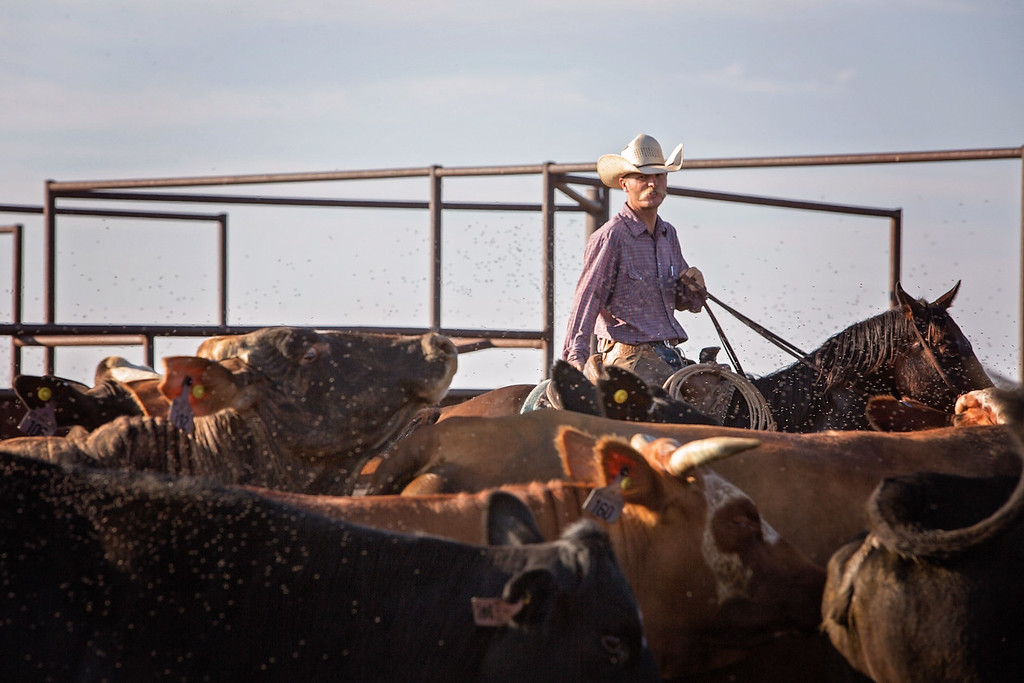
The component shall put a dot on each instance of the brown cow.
(712, 578)
(307, 409)
(934, 593)
(811, 486)
(978, 407)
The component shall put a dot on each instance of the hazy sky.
(101, 89)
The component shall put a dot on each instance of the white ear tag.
(606, 502)
(181, 415)
(39, 422)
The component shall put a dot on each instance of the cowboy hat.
(642, 155)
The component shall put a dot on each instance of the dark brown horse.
(913, 351)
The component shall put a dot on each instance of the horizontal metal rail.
(555, 176)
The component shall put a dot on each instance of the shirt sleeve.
(600, 263)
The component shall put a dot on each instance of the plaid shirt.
(629, 289)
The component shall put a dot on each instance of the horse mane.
(861, 349)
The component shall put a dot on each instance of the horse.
(913, 351)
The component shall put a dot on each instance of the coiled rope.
(716, 402)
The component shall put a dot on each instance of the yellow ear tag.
(625, 483)
(44, 394)
(198, 391)
(620, 396)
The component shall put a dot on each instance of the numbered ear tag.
(39, 422)
(181, 415)
(494, 611)
(606, 502)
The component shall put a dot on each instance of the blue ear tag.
(606, 502)
(39, 421)
(181, 415)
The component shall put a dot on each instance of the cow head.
(575, 611)
(323, 393)
(722, 580)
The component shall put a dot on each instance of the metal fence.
(563, 190)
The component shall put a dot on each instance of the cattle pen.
(565, 189)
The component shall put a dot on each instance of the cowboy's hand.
(693, 279)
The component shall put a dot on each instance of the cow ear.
(624, 396)
(619, 460)
(575, 391)
(536, 589)
(576, 449)
(508, 521)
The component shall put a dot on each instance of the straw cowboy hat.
(642, 155)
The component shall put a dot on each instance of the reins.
(786, 346)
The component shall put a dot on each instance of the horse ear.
(946, 300)
(911, 307)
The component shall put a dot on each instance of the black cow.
(621, 395)
(129, 576)
(934, 591)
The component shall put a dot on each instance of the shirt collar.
(636, 226)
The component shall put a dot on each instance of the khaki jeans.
(640, 359)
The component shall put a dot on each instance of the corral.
(564, 190)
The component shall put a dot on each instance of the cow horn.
(703, 451)
(640, 440)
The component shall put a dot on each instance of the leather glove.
(693, 279)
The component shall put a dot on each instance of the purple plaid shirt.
(629, 289)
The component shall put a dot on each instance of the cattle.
(304, 409)
(978, 407)
(712, 578)
(933, 592)
(887, 413)
(812, 487)
(987, 407)
(129, 576)
(57, 404)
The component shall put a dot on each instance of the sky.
(139, 89)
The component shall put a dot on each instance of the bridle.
(926, 349)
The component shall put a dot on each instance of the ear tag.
(606, 502)
(39, 421)
(181, 415)
(494, 611)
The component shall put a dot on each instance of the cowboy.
(634, 275)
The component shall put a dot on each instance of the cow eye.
(309, 356)
(613, 646)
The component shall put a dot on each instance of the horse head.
(939, 362)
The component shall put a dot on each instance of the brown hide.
(502, 401)
(682, 540)
(811, 487)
